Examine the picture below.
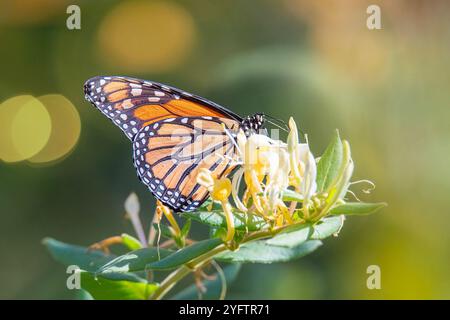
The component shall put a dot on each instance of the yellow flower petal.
(221, 190)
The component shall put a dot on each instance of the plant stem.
(183, 271)
(171, 280)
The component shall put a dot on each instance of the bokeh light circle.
(66, 128)
(25, 128)
(142, 37)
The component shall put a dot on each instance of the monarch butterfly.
(174, 135)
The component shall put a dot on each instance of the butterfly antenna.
(280, 122)
(277, 122)
(277, 125)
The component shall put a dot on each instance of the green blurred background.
(388, 91)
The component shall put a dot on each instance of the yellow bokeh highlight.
(341, 39)
(25, 127)
(66, 128)
(142, 37)
(39, 130)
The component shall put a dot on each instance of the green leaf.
(131, 242)
(209, 204)
(134, 261)
(213, 287)
(357, 208)
(293, 238)
(185, 255)
(326, 228)
(217, 219)
(83, 295)
(291, 195)
(261, 252)
(297, 234)
(103, 288)
(82, 257)
(329, 164)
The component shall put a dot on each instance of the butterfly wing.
(169, 153)
(132, 104)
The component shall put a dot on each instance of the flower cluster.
(272, 170)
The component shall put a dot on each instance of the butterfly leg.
(169, 216)
(156, 220)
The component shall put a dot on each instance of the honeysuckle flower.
(303, 167)
(220, 190)
(268, 168)
(277, 176)
(265, 168)
(303, 164)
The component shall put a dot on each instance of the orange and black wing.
(132, 104)
(169, 153)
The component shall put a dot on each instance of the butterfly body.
(174, 135)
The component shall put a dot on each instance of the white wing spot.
(136, 92)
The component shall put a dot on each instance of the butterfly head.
(253, 123)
